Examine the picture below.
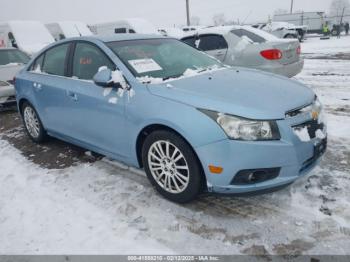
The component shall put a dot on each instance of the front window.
(161, 58)
(13, 56)
(87, 60)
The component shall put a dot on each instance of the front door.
(97, 114)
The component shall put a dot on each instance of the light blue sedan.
(156, 103)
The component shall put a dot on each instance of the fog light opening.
(252, 176)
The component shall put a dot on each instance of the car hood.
(243, 92)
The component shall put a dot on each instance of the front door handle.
(72, 95)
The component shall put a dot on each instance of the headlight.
(245, 129)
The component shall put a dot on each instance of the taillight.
(299, 50)
(271, 54)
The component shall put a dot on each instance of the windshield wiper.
(173, 76)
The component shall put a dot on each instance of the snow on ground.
(97, 208)
(316, 47)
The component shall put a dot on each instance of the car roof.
(223, 30)
(116, 37)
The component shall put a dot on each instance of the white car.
(249, 47)
(279, 29)
(28, 36)
(65, 29)
(172, 32)
(11, 61)
(126, 26)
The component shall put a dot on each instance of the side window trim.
(71, 52)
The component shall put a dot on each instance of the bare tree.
(195, 20)
(219, 19)
(339, 8)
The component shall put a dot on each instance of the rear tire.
(33, 124)
(289, 36)
(172, 166)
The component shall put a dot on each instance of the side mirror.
(103, 78)
(107, 78)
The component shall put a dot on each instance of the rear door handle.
(37, 86)
(72, 95)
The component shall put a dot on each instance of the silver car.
(249, 47)
(11, 61)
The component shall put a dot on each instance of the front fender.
(146, 109)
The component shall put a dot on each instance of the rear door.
(47, 79)
(214, 45)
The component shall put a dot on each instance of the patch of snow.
(120, 92)
(31, 36)
(241, 45)
(320, 134)
(107, 91)
(102, 68)
(12, 64)
(131, 93)
(197, 42)
(41, 213)
(113, 100)
(88, 153)
(190, 72)
(117, 77)
(303, 134)
(150, 80)
(37, 69)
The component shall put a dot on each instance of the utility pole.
(342, 16)
(188, 12)
(291, 6)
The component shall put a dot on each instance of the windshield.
(161, 58)
(13, 56)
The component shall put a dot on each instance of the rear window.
(13, 56)
(212, 42)
(252, 36)
(54, 62)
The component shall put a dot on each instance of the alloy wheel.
(32, 122)
(168, 166)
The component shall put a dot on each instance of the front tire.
(32, 124)
(172, 166)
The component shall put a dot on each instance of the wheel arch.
(157, 127)
(20, 104)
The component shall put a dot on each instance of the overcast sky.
(159, 12)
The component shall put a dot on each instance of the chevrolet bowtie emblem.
(314, 115)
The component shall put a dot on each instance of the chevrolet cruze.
(156, 103)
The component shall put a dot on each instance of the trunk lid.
(289, 50)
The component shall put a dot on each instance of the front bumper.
(288, 70)
(7, 96)
(291, 156)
